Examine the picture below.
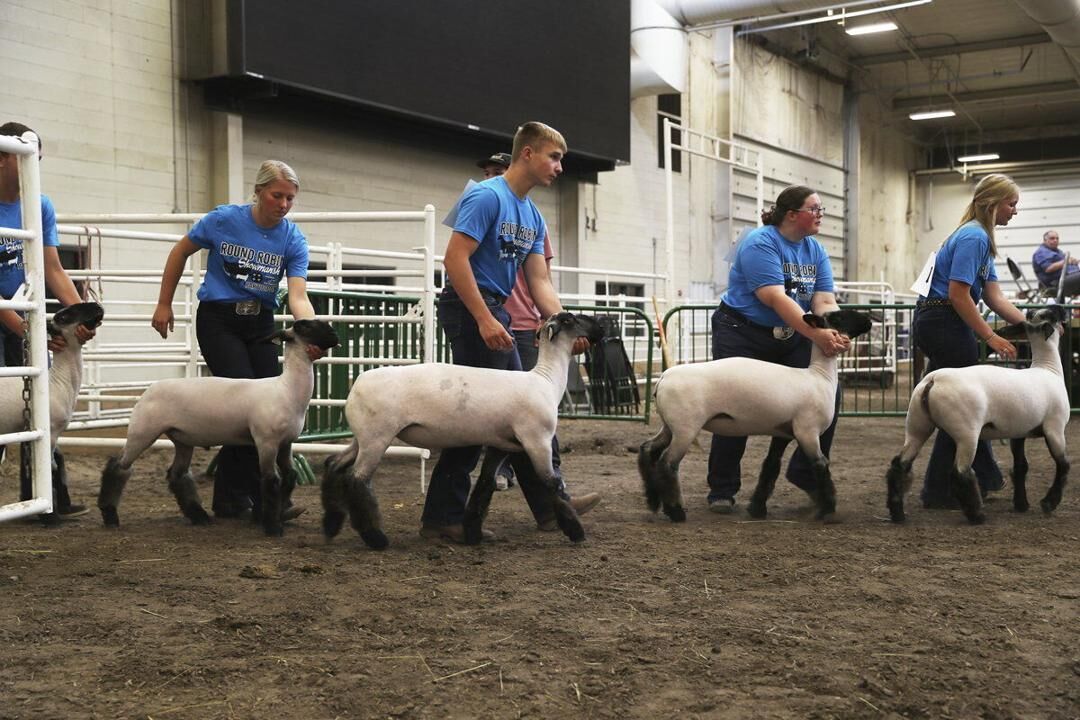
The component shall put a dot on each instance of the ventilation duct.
(659, 50)
(1060, 19)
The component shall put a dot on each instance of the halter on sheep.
(206, 411)
(983, 401)
(439, 406)
(740, 396)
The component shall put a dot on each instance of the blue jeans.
(732, 337)
(948, 342)
(449, 488)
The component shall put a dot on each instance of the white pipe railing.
(26, 151)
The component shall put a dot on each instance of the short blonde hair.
(272, 170)
(990, 192)
(535, 134)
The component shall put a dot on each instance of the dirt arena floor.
(720, 617)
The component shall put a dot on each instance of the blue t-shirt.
(507, 228)
(965, 257)
(765, 257)
(246, 261)
(12, 273)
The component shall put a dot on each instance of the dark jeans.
(11, 354)
(448, 491)
(735, 338)
(948, 342)
(232, 346)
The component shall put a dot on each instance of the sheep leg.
(113, 479)
(770, 470)
(364, 511)
(270, 486)
(539, 452)
(826, 490)
(182, 485)
(1019, 475)
(965, 485)
(480, 500)
(648, 456)
(332, 490)
(666, 473)
(1055, 443)
(917, 430)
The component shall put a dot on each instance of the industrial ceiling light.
(981, 157)
(932, 114)
(874, 28)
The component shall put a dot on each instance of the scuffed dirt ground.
(719, 617)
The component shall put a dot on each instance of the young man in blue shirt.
(498, 229)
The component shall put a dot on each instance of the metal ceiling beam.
(977, 96)
(955, 49)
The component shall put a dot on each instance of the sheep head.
(1040, 321)
(574, 325)
(67, 319)
(848, 322)
(309, 332)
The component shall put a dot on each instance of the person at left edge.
(12, 276)
(249, 248)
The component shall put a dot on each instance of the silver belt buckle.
(248, 307)
(783, 333)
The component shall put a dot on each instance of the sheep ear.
(815, 321)
(279, 337)
(1019, 331)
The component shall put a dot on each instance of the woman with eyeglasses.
(780, 273)
(947, 320)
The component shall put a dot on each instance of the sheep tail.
(924, 400)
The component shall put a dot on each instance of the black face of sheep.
(849, 322)
(1044, 320)
(89, 314)
(577, 325)
(309, 332)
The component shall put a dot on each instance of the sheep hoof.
(110, 517)
(573, 530)
(331, 523)
(474, 532)
(1022, 506)
(274, 529)
(677, 513)
(975, 518)
(375, 539)
(197, 516)
(896, 512)
(757, 511)
(1048, 505)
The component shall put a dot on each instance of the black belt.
(778, 333)
(486, 294)
(240, 307)
(934, 302)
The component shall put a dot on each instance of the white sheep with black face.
(65, 373)
(741, 396)
(990, 402)
(208, 411)
(436, 406)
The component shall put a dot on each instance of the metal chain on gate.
(26, 378)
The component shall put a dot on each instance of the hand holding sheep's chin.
(315, 352)
(83, 334)
(1002, 347)
(831, 342)
(580, 345)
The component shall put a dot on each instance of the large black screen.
(479, 66)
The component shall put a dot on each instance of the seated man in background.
(1048, 259)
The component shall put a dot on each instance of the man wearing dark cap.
(495, 165)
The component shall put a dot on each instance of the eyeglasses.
(816, 209)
